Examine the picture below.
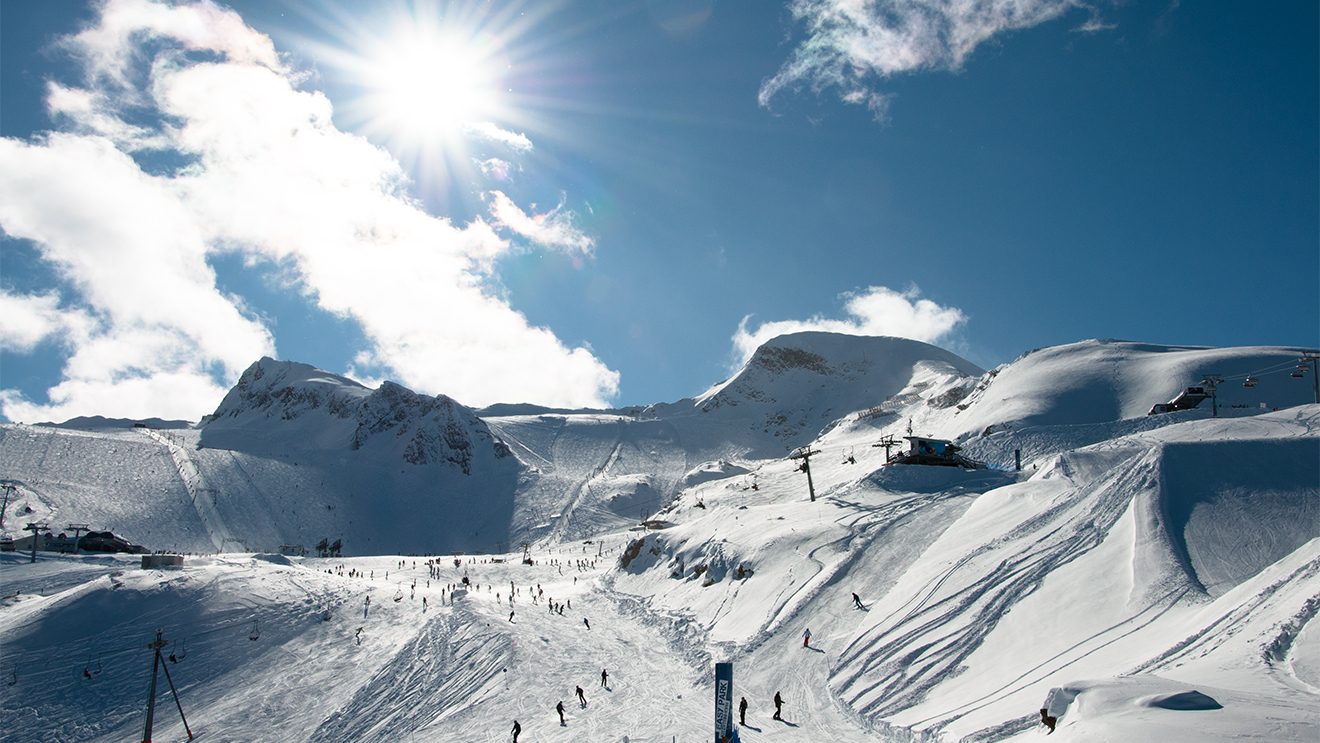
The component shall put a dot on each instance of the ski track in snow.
(894, 665)
(202, 497)
(463, 672)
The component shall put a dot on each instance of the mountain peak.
(290, 405)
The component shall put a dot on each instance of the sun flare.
(433, 87)
(444, 87)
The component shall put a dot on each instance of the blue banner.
(723, 702)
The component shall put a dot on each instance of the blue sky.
(603, 202)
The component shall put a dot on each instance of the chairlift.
(1249, 382)
(1299, 372)
(255, 633)
(89, 672)
(398, 596)
(180, 654)
(850, 459)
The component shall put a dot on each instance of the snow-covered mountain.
(292, 455)
(1142, 578)
(300, 453)
(609, 468)
(296, 406)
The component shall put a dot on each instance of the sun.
(445, 87)
(431, 86)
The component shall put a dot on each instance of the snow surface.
(1144, 578)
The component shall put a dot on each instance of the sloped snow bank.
(1152, 708)
(1235, 507)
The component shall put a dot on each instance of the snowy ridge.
(607, 469)
(293, 405)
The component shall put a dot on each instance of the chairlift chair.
(256, 631)
(398, 596)
(1249, 382)
(13, 678)
(1299, 372)
(89, 672)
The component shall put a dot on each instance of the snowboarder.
(857, 601)
(582, 698)
(516, 730)
(806, 638)
(1047, 719)
(560, 709)
(584, 621)
(604, 678)
(742, 711)
(779, 703)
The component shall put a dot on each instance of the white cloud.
(490, 132)
(88, 111)
(169, 394)
(28, 320)
(552, 229)
(876, 310)
(270, 176)
(495, 168)
(851, 44)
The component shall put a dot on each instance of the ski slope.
(987, 595)
(1142, 578)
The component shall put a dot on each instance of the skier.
(516, 730)
(584, 621)
(560, 709)
(806, 638)
(779, 703)
(582, 698)
(857, 601)
(604, 678)
(742, 711)
(510, 616)
(365, 606)
(1047, 719)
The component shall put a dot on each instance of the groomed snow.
(1141, 579)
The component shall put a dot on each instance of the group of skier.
(559, 706)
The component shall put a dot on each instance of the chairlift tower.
(805, 455)
(36, 529)
(888, 443)
(77, 529)
(1314, 360)
(9, 493)
(1211, 382)
(158, 663)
